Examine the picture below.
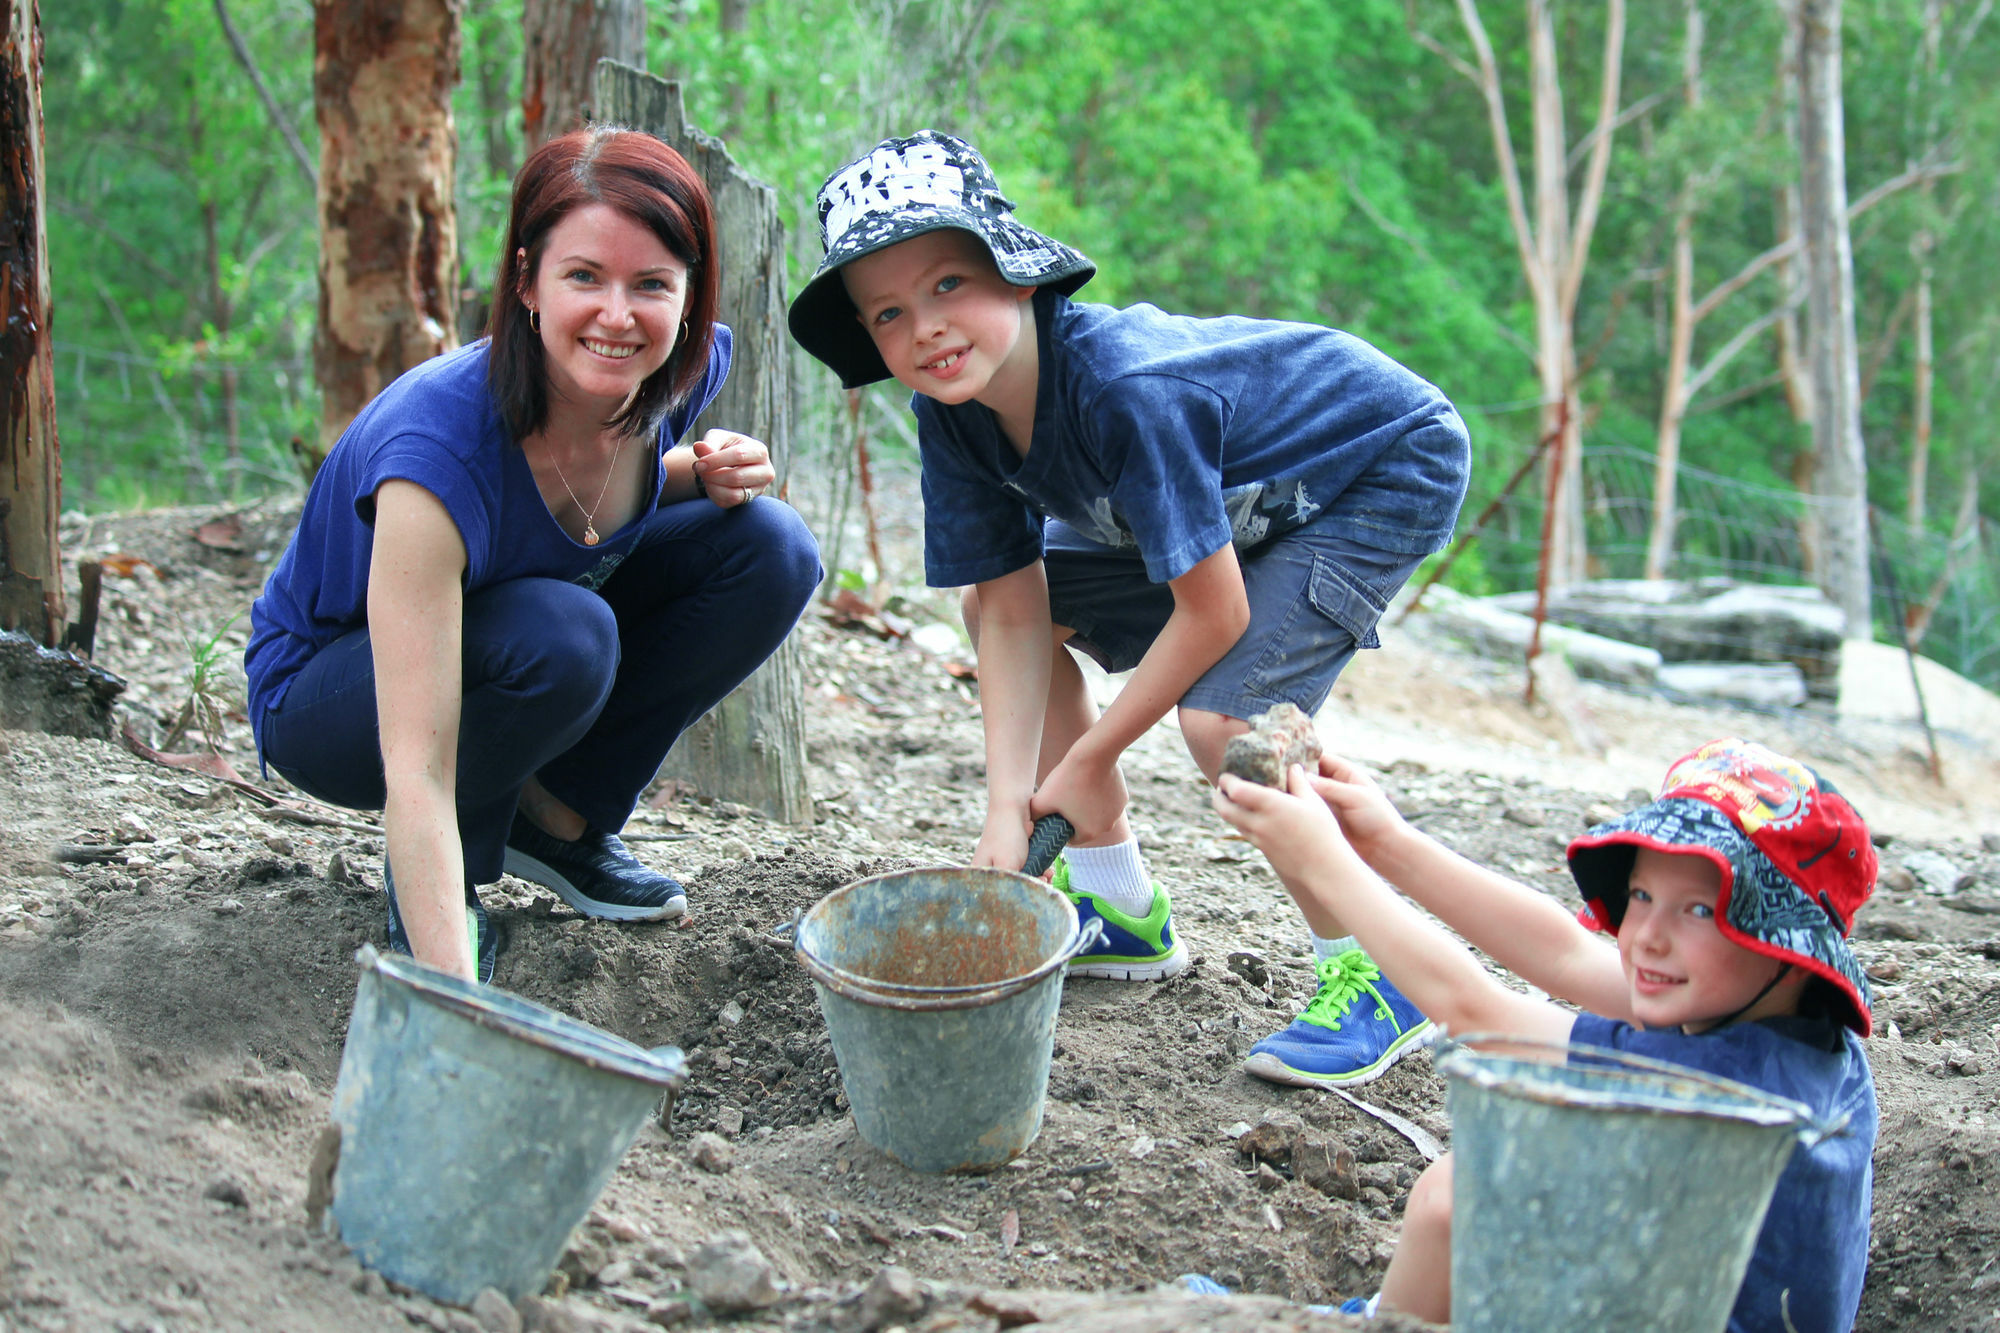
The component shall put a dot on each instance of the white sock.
(1116, 874)
(1324, 949)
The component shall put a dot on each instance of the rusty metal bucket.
(940, 989)
(1598, 1189)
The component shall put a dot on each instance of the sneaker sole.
(522, 866)
(1137, 969)
(1273, 1070)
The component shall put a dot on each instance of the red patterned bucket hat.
(1796, 860)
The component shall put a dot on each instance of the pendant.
(589, 535)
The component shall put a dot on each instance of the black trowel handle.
(1050, 835)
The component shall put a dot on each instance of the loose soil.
(177, 968)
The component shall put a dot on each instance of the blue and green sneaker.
(1336, 1041)
(1131, 948)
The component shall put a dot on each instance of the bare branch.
(277, 113)
(1727, 352)
(1434, 46)
(1503, 147)
(1619, 122)
(1786, 249)
(1737, 395)
(136, 254)
(1600, 156)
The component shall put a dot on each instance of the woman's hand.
(732, 468)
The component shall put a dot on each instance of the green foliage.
(1293, 159)
(210, 695)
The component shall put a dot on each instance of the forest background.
(1294, 159)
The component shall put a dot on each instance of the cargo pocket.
(1335, 616)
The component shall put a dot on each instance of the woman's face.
(610, 295)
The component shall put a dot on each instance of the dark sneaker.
(594, 874)
(1355, 1028)
(485, 943)
(1131, 948)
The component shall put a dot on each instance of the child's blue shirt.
(1812, 1252)
(438, 426)
(1174, 436)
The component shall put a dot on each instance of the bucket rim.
(1457, 1057)
(927, 999)
(534, 1023)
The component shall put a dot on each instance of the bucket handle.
(900, 995)
(1811, 1129)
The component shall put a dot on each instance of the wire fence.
(138, 431)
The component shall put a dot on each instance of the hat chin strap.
(1755, 1000)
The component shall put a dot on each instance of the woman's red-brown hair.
(649, 182)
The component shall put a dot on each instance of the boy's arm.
(1298, 833)
(1211, 611)
(1526, 932)
(1015, 644)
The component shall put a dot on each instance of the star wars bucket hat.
(902, 188)
(1795, 858)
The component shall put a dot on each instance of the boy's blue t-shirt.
(438, 426)
(1174, 436)
(1812, 1252)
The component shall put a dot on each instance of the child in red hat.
(1730, 898)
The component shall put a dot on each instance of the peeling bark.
(561, 43)
(31, 594)
(383, 73)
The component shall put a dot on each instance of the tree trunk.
(1829, 258)
(1924, 242)
(561, 43)
(1680, 344)
(31, 591)
(751, 748)
(383, 73)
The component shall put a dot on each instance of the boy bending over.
(1222, 507)
(1730, 897)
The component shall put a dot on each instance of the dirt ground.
(176, 972)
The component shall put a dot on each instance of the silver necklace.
(590, 537)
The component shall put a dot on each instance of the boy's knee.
(968, 610)
(1429, 1206)
(1207, 735)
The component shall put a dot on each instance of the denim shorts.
(1315, 597)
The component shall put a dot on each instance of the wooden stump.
(751, 748)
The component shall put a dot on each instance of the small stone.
(1250, 967)
(495, 1313)
(337, 869)
(228, 907)
(1990, 841)
(1885, 968)
(1142, 1146)
(224, 1189)
(668, 1313)
(130, 828)
(732, 1014)
(1272, 1137)
(1325, 1164)
(1895, 879)
(1278, 738)
(712, 1153)
(731, 1275)
(1236, 1130)
(278, 843)
(1268, 1178)
(892, 1296)
(1600, 813)
(1527, 816)
(1964, 1061)
(1936, 873)
(729, 1121)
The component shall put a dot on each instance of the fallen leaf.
(1010, 1229)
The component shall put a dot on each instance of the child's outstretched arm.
(1015, 644)
(1528, 933)
(1211, 611)
(1298, 832)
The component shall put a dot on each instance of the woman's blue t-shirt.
(1812, 1252)
(1176, 436)
(438, 426)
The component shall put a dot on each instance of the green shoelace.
(1342, 979)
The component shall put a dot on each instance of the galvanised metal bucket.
(940, 990)
(1595, 1189)
(476, 1128)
